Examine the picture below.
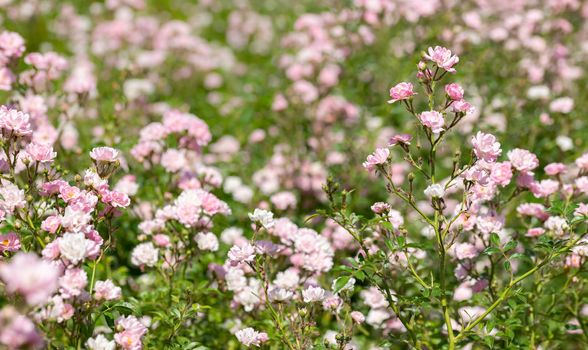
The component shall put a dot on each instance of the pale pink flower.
(401, 91)
(313, 294)
(116, 199)
(535, 232)
(106, 290)
(242, 254)
(280, 103)
(332, 302)
(462, 106)
(69, 193)
(556, 224)
(73, 282)
(35, 279)
(533, 209)
(582, 184)
(544, 188)
(434, 191)
(562, 105)
(582, 162)
(173, 160)
(486, 147)
(14, 122)
(129, 332)
(380, 156)
(501, 173)
(454, 91)
(442, 57)
(523, 160)
(553, 169)
(7, 78)
(526, 179)
(12, 46)
(581, 210)
(432, 120)
(11, 197)
(207, 241)
(51, 224)
(100, 342)
(145, 254)
(465, 251)
(104, 154)
(17, 331)
(262, 217)
(380, 207)
(250, 337)
(402, 139)
(161, 240)
(42, 153)
(284, 200)
(357, 317)
(9, 242)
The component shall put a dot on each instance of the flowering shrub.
(227, 175)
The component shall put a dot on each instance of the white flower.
(465, 251)
(557, 225)
(11, 197)
(281, 294)
(435, 191)
(100, 343)
(564, 143)
(263, 217)
(207, 241)
(106, 290)
(145, 254)
(231, 235)
(245, 253)
(376, 317)
(74, 247)
(313, 294)
(250, 336)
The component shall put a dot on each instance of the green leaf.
(491, 251)
(495, 239)
(510, 245)
(340, 283)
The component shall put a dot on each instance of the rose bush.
(375, 174)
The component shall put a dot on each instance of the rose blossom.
(486, 147)
(30, 276)
(313, 294)
(357, 317)
(104, 154)
(434, 191)
(106, 290)
(553, 169)
(380, 156)
(432, 120)
(129, 333)
(145, 254)
(454, 91)
(9, 242)
(401, 91)
(249, 337)
(522, 160)
(39, 152)
(442, 57)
